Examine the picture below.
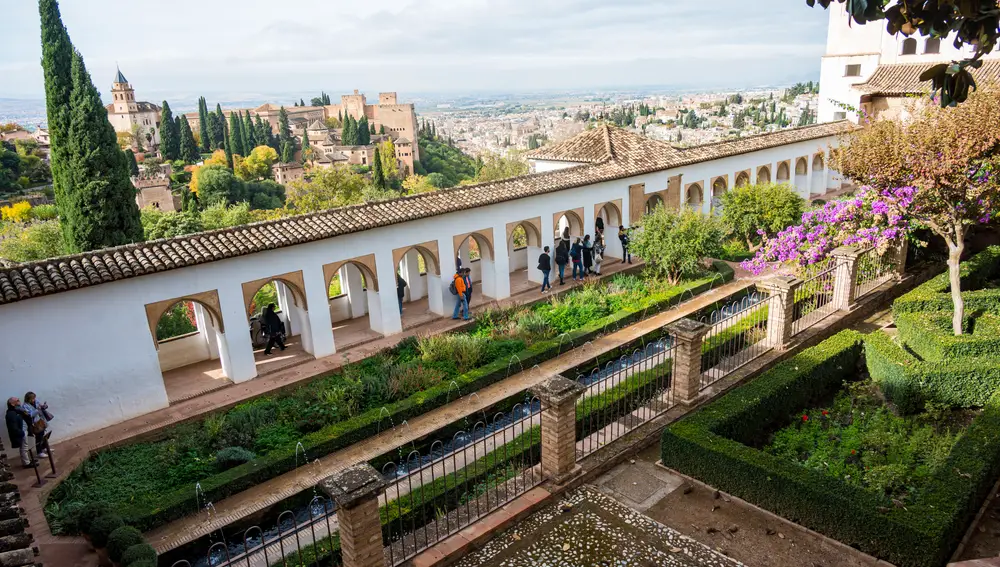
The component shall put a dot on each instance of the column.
(319, 326)
(235, 350)
(686, 374)
(558, 396)
(534, 274)
(383, 305)
(356, 491)
(410, 270)
(350, 283)
(446, 251)
(286, 303)
(846, 258)
(501, 265)
(589, 220)
(899, 266)
(780, 309)
(207, 330)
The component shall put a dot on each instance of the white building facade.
(130, 116)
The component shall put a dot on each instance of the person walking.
(274, 328)
(599, 231)
(562, 258)
(17, 421)
(457, 288)
(545, 266)
(575, 255)
(400, 291)
(39, 417)
(588, 256)
(598, 258)
(624, 239)
(468, 288)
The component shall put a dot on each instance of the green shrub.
(275, 435)
(532, 326)
(87, 513)
(930, 336)
(233, 456)
(976, 273)
(122, 539)
(138, 552)
(101, 528)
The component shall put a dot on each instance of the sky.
(249, 48)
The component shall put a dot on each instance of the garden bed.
(230, 451)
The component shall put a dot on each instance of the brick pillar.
(780, 309)
(356, 491)
(900, 259)
(846, 258)
(558, 396)
(686, 373)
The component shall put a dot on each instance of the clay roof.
(317, 125)
(904, 79)
(625, 155)
(599, 144)
(19, 547)
(403, 141)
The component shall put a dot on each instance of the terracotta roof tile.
(607, 154)
(903, 79)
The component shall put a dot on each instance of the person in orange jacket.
(458, 289)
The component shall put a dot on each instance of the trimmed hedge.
(934, 294)
(710, 445)
(177, 504)
(930, 336)
(122, 539)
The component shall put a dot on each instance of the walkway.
(269, 493)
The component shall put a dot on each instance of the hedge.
(909, 382)
(935, 295)
(177, 504)
(709, 445)
(930, 336)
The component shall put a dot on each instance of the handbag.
(38, 427)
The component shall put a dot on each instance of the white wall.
(182, 351)
(543, 165)
(519, 259)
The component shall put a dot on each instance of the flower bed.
(717, 446)
(343, 408)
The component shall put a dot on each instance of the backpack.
(452, 288)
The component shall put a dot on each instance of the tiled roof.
(18, 547)
(625, 155)
(596, 145)
(904, 79)
(317, 125)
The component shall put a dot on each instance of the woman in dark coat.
(562, 258)
(588, 255)
(274, 328)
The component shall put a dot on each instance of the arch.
(909, 46)
(818, 162)
(764, 174)
(574, 220)
(611, 213)
(695, 196)
(209, 300)
(783, 173)
(430, 256)
(482, 242)
(298, 294)
(932, 45)
(652, 202)
(362, 264)
(801, 166)
(531, 234)
(743, 178)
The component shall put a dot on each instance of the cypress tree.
(189, 149)
(133, 167)
(340, 117)
(377, 177)
(57, 57)
(249, 133)
(363, 136)
(235, 137)
(262, 131)
(305, 145)
(381, 129)
(349, 135)
(101, 209)
(215, 129)
(287, 151)
(284, 132)
(227, 146)
(206, 138)
(371, 129)
(170, 143)
(302, 102)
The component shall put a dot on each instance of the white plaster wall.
(89, 352)
(182, 351)
(340, 308)
(519, 259)
(542, 165)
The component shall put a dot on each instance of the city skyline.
(436, 47)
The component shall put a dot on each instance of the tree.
(247, 131)
(228, 149)
(371, 130)
(30, 242)
(235, 136)
(768, 207)
(257, 165)
(189, 149)
(496, 167)
(306, 149)
(10, 167)
(950, 156)
(349, 134)
(302, 102)
(262, 133)
(674, 243)
(57, 55)
(284, 131)
(416, 184)
(99, 208)
(215, 185)
(206, 136)
(378, 178)
(328, 188)
(133, 167)
(364, 132)
(390, 167)
(288, 151)
(381, 129)
(170, 141)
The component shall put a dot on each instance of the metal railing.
(737, 337)
(873, 270)
(623, 395)
(814, 297)
(476, 473)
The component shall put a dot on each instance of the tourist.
(588, 256)
(468, 288)
(458, 262)
(598, 258)
(274, 328)
(624, 239)
(457, 288)
(562, 258)
(17, 421)
(400, 291)
(599, 231)
(545, 265)
(565, 235)
(575, 254)
(39, 417)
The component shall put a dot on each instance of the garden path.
(266, 494)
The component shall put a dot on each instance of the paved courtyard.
(588, 528)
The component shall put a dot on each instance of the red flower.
(853, 452)
(826, 412)
(805, 418)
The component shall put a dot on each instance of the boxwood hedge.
(713, 446)
(178, 503)
(977, 272)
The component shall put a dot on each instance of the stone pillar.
(350, 283)
(899, 267)
(780, 309)
(558, 396)
(235, 349)
(686, 374)
(410, 270)
(319, 324)
(501, 265)
(383, 305)
(356, 491)
(846, 258)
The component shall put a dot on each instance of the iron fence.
(814, 297)
(873, 270)
(460, 480)
(623, 395)
(737, 337)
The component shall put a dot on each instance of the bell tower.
(123, 95)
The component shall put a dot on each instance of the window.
(909, 46)
(839, 115)
(933, 45)
(852, 70)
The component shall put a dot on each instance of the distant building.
(133, 117)
(867, 69)
(285, 173)
(154, 192)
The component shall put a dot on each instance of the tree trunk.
(954, 260)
